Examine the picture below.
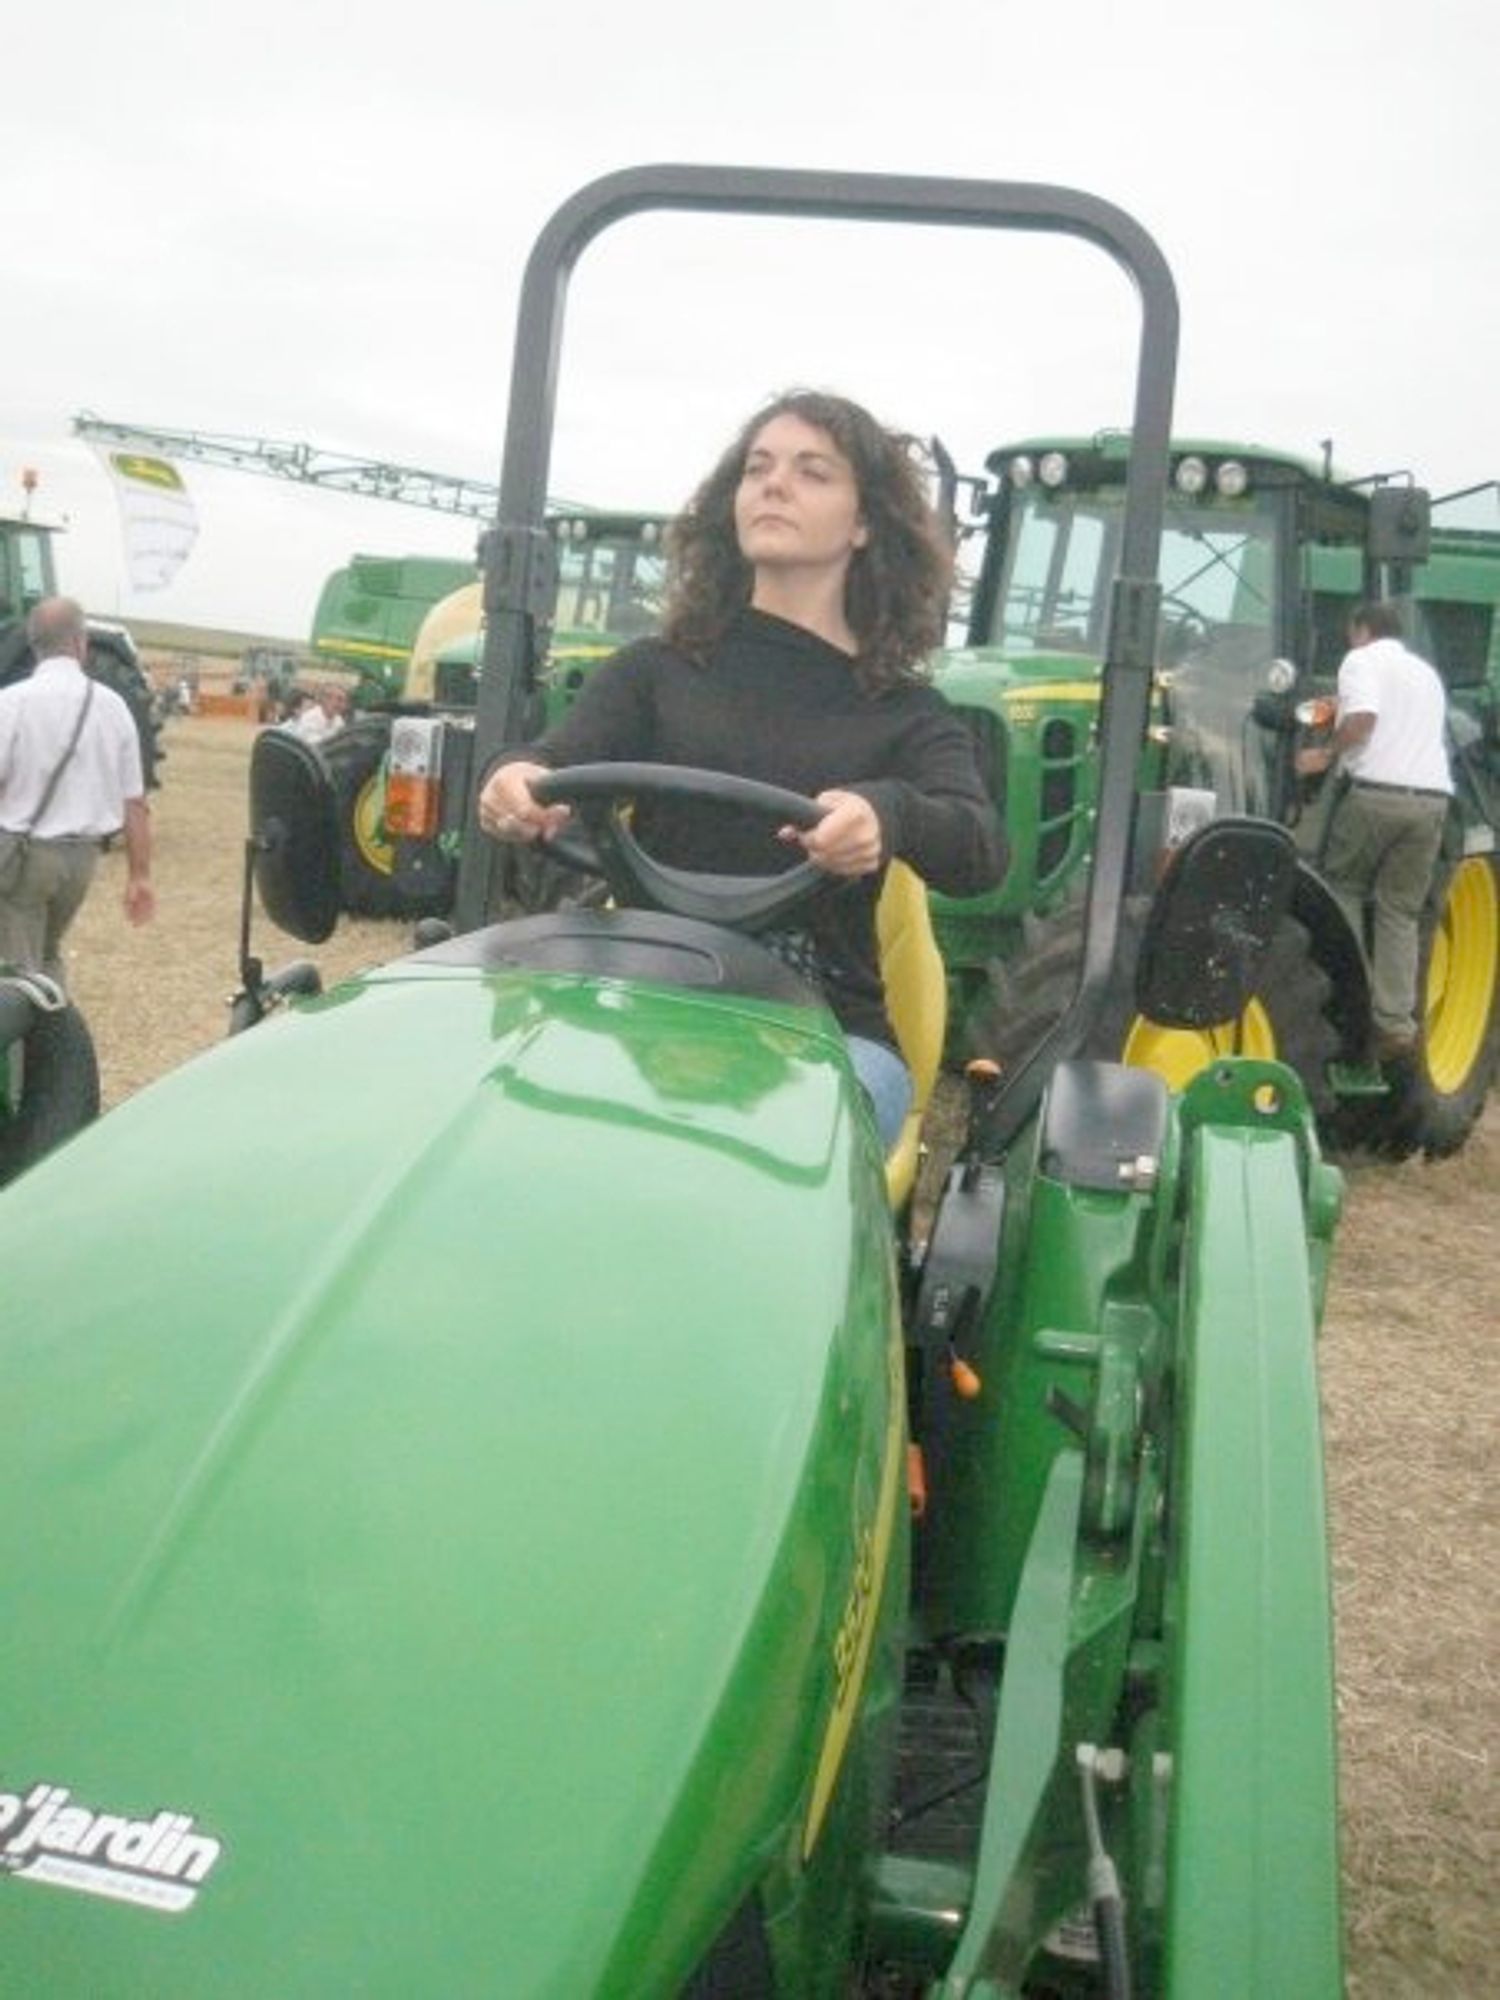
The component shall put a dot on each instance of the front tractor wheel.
(1435, 1100)
(49, 1088)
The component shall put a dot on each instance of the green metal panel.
(1076, 1250)
(1253, 1889)
(376, 1530)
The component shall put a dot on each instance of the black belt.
(1406, 791)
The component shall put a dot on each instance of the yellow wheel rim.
(368, 823)
(1462, 969)
(1178, 1054)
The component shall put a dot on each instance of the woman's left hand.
(846, 841)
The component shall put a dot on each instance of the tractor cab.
(1262, 557)
(27, 575)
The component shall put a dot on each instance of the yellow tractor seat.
(916, 998)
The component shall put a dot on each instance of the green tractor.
(400, 775)
(369, 613)
(1263, 557)
(27, 575)
(807, 1591)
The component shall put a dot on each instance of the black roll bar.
(518, 566)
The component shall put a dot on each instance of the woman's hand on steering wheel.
(508, 809)
(846, 841)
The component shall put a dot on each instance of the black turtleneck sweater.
(776, 703)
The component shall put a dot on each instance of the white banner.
(157, 518)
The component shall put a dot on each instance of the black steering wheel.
(601, 793)
(1190, 629)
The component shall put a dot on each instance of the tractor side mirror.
(1400, 525)
(1212, 922)
(294, 835)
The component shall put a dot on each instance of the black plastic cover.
(644, 945)
(294, 834)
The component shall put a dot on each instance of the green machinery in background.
(599, 1539)
(369, 613)
(1263, 557)
(28, 573)
(400, 844)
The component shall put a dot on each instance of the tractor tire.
(49, 1088)
(113, 668)
(1436, 1098)
(1288, 1019)
(355, 757)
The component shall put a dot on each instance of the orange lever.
(965, 1380)
(916, 1480)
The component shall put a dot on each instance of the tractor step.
(1358, 1080)
(943, 1754)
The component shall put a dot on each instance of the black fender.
(49, 1076)
(1340, 953)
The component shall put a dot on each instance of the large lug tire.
(114, 669)
(1287, 1020)
(49, 1088)
(355, 757)
(1435, 1100)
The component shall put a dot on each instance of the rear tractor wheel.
(1436, 1099)
(1287, 1020)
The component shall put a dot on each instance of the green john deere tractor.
(401, 842)
(1263, 557)
(27, 575)
(785, 1598)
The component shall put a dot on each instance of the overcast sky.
(307, 221)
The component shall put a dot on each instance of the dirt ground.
(1409, 1390)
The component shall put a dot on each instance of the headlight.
(1053, 469)
(1232, 479)
(650, 532)
(1281, 676)
(1020, 471)
(1191, 476)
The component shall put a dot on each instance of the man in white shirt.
(1387, 826)
(70, 775)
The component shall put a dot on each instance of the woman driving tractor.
(808, 580)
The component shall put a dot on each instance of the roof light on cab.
(1191, 476)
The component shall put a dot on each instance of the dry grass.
(1410, 1412)
(1409, 1389)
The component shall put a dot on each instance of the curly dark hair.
(896, 594)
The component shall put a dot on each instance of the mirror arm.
(251, 969)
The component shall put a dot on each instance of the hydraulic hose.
(1105, 1896)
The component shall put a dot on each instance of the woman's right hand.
(508, 811)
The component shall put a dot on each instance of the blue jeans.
(887, 1084)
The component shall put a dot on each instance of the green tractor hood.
(432, 1493)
